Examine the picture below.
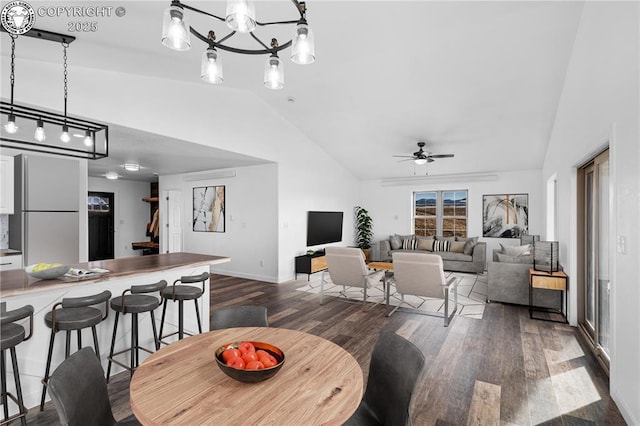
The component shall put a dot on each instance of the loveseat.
(460, 254)
(508, 281)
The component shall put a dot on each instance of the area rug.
(472, 294)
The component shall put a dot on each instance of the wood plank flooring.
(505, 369)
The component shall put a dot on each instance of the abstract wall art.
(505, 215)
(209, 209)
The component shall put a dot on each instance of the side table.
(551, 281)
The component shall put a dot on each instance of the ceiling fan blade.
(441, 156)
(403, 156)
(429, 160)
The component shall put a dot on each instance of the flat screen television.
(323, 228)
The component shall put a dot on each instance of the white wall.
(390, 206)
(131, 214)
(599, 105)
(251, 223)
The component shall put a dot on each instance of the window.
(440, 213)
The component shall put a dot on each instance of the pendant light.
(211, 66)
(39, 134)
(11, 126)
(303, 50)
(95, 144)
(175, 28)
(241, 16)
(273, 73)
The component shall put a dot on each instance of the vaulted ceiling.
(480, 80)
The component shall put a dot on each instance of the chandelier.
(30, 129)
(240, 18)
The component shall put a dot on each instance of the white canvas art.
(208, 209)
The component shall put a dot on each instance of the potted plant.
(364, 230)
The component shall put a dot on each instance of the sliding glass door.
(594, 294)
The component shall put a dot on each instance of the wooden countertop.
(17, 282)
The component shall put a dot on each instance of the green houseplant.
(364, 229)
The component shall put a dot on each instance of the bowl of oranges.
(249, 362)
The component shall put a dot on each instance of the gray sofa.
(459, 262)
(509, 283)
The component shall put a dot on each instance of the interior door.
(173, 242)
(100, 209)
(594, 315)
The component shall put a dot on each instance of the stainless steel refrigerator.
(46, 222)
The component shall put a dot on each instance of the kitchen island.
(17, 289)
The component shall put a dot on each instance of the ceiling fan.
(421, 156)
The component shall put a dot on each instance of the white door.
(173, 236)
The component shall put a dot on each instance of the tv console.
(310, 263)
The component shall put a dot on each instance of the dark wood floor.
(503, 370)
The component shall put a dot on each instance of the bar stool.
(74, 314)
(181, 293)
(12, 335)
(138, 302)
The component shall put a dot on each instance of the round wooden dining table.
(319, 384)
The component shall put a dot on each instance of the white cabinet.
(6, 184)
(8, 263)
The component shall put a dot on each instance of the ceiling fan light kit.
(240, 18)
(26, 128)
(422, 157)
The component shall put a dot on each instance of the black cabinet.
(310, 264)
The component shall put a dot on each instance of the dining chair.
(239, 316)
(346, 267)
(422, 275)
(396, 365)
(79, 392)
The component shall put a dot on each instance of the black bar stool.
(138, 302)
(180, 293)
(74, 313)
(12, 335)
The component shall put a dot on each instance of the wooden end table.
(551, 281)
(385, 266)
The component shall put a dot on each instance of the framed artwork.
(505, 215)
(208, 209)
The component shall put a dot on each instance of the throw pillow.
(425, 244)
(458, 246)
(469, 244)
(507, 258)
(395, 242)
(450, 239)
(440, 245)
(523, 258)
(409, 244)
(516, 250)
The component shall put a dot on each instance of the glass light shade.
(131, 167)
(39, 134)
(303, 50)
(241, 15)
(111, 175)
(11, 127)
(420, 161)
(175, 29)
(211, 67)
(273, 73)
(88, 140)
(64, 136)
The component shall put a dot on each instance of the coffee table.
(385, 266)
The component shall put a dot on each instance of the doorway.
(101, 230)
(593, 259)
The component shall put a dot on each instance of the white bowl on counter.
(47, 274)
